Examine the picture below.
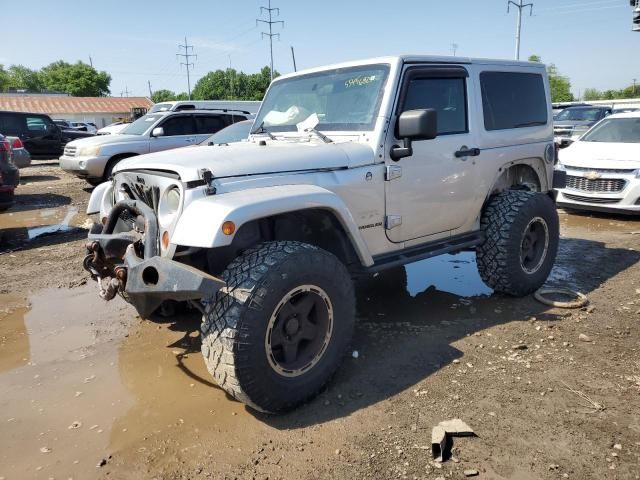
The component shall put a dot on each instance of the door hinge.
(392, 171)
(392, 221)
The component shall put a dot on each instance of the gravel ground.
(93, 392)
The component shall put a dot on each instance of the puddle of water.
(31, 224)
(599, 222)
(138, 390)
(457, 274)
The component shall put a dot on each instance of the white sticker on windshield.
(309, 123)
(150, 119)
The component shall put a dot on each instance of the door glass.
(446, 95)
(182, 125)
(208, 124)
(36, 125)
(12, 124)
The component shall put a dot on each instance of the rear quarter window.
(12, 124)
(513, 100)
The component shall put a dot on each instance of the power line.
(186, 55)
(519, 6)
(271, 12)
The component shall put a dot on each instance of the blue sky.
(136, 40)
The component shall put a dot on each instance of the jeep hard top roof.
(402, 59)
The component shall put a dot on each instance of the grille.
(70, 151)
(601, 170)
(578, 198)
(600, 185)
(149, 195)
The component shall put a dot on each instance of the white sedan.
(603, 167)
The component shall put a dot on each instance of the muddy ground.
(88, 390)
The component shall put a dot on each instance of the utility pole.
(271, 12)
(293, 57)
(520, 6)
(125, 92)
(230, 76)
(454, 48)
(188, 49)
(150, 91)
(634, 86)
(90, 61)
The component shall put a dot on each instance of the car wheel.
(279, 329)
(521, 233)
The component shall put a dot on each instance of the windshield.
(580, 114)
(233, 133)
(161, 107)
(141, 125)
(615, 130)
(342, 99)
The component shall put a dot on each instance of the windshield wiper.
(263, 130)
(320, 135)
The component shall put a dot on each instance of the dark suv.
(40, 136)
(574, 121)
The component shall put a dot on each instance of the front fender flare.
(200, 224)
(96, 201)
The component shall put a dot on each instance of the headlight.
(82, 164)
(88, 151)
(637, 173)
(169, 205)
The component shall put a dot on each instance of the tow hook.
(110, 281)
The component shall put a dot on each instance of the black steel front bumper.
(128, 263)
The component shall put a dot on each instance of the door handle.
(467, 152)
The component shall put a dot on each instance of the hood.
(106, 139)
(601, 155)
(250, 158)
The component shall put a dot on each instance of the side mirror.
(157, 132)
(414, 125)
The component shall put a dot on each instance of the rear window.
(513, 100)
(11, 124)
(209, 123)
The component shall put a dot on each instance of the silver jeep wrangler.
(350, 169)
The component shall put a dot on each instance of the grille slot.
(148, 195)
(70, 151)
(600, 170)
(578, 198)
(600, 185)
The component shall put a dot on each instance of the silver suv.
(94, 158)
(350, 169)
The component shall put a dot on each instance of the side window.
(36, 124)
(11, 124)
(179, 125)
(513, 100)
(446, 95)
(209, 124)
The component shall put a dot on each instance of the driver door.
(432, 192)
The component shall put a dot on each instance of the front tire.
(521, 232)
(279, 329)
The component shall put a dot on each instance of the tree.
(162, 96)
(230, 84)
(591, 94)
(4, 78)
(23, 78)
(79, 79)
(560, 85)
(182, 96)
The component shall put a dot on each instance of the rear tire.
(521, 241)
(279, 329)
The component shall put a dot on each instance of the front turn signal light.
(228, 228)
(165, 240)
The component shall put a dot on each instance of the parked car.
(240, 106)
(84, 126)
(39, 134)
(64, 124)
(113, 128)
(625, 110)
(560, 106)
(9, 175)
(350, 170)
(21, 156)
(94, 158)
(574, 121)
(233, 133)
(603, 167)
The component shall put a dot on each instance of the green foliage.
(628, 92)
(163, 96)
(4, 78)
(230, 84)
(183, 96)
(23, 78)
(560, 85)
(79, 79)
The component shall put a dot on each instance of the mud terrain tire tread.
(503, 221)
(235, 320)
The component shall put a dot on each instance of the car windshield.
(580, 114)
(141, 125)
(342, 99)
(615, 130)
(233, 133)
